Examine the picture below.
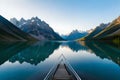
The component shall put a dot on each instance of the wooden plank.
(61, 73)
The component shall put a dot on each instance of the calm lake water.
(32, 61)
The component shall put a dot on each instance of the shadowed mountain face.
(9, 32)
(104, 50)
(35, 53)
(39, 29)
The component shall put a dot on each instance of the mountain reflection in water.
(36, 53)
(32, 61)
(7, 50)
(104, 50)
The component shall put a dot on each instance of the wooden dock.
(62, 73)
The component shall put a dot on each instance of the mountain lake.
(32, 61)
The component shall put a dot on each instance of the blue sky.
(63, 15)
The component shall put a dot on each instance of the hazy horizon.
(63, 15)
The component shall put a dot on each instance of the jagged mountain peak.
(35, 19)
(75, 31)
(22, 20)
(37, 28)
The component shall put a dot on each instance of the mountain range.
(9, 32)
(37, 28)
(96, 31)
(75, 34)
(110, 31)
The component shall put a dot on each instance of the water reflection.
(7, 50)
(36, 53)
(74, 46)
(22, 60)
(100, 62)
(104, 50)
(32, 61)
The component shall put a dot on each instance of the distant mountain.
(111, 32)
(37, 28)
(75, 34)
(96, 31)
(9, 32)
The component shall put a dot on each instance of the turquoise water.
(32, 61)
